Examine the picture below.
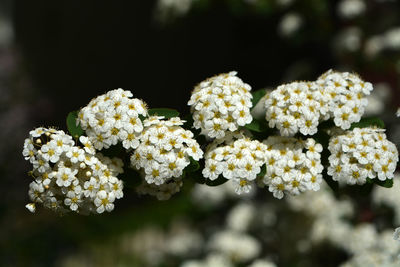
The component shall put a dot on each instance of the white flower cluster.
(69, 176)
(294, 107)
(332, 217)
(345, 96)
(220, 104)
(237, 158)
(165, 149)
(289, 169)
(300, 106)
(360, 154)
(113, 117)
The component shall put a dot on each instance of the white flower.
(104, 201)
(87, 145)
(76, 154)
(65, 176)
(31, 207)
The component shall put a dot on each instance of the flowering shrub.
(322, 136)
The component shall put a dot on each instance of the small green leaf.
(257, 126)
(72, 124)
(388, 183)
(263, 171)
(368, 122)
(193, 166)
(166, 112)
(220, 180)
(257, 95)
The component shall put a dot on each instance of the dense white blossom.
(360, 154)
(295, 107)
(236, 158)
(344, 96)
(221, 104)
(113, 117)
(69, 176)
(293, 165)
(301, 106)
(165, 149)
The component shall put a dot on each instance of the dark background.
(66, 52)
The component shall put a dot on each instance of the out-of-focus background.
(55, 56)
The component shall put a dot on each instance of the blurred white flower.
(349, 39)
(378, 99)
(374, 45)
(351, 8)
(240, 217)
(289, 24)
(396, 234)
(262, 263)
(236, 246)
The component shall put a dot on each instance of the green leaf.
(258, 126)
(72, 124)
(257, 95)
(166, 112)
(220, 180)
(368, 122)
(263, 171)
(388, 183)
(193, 166)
